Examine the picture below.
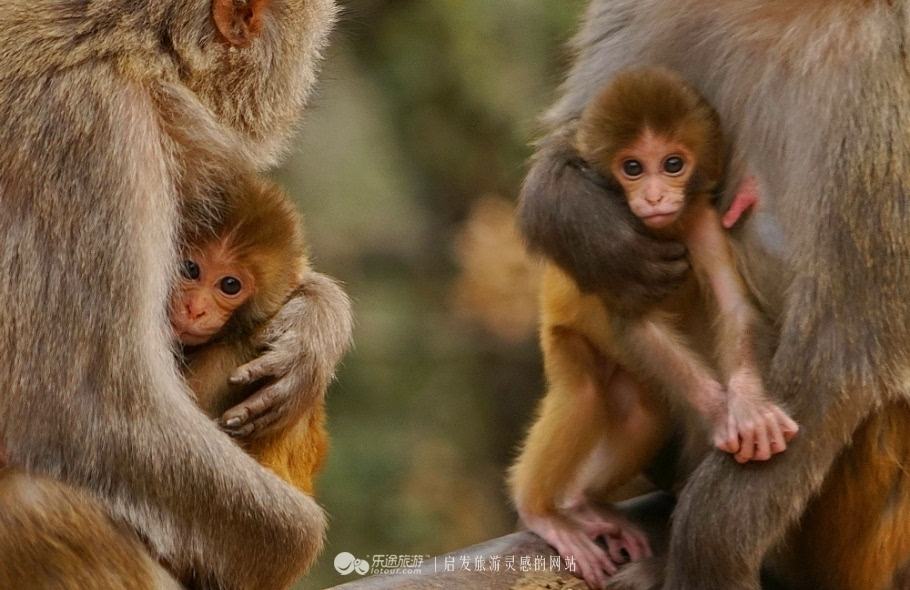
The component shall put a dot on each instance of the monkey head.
(244, 266)
(651, 133)
(213, 285)
(653, 173)
(251, 62)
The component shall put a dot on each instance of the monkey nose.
(194, 312)
(653, 197)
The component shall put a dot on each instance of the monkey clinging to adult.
(657, 142)
(112, 114)
(237, 272)
(812, 96)
(654, 136)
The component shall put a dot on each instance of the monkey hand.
(302, 346)
(756, 428)
(573, 216)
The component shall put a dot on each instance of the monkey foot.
(575, 536)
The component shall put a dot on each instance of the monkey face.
(213, 286)
(653, 173)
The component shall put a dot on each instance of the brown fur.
(263, 230)
(811, 95)
(111, 114)
(655, 99)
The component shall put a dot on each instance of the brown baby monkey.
(237, 272)
(651, 138)
(661, 142)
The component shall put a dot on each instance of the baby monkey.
(237, 272)
(659, 140)
(653, 139)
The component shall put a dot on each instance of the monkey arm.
(567, 213)
(304, 343)
(757, 427)
(654, 347)
(830, 403)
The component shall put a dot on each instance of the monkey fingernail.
(241, 432)
(232, 423)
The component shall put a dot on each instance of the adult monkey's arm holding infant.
(111, 113)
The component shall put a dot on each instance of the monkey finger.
(728, 441)
(270, 364)
(777, 441)
(762, 444)
(241, 432)
(256, 426)
(790, 427)
(260, 404)
(746, 446)
(596, 566)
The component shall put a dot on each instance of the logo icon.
(345, 563)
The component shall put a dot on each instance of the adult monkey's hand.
(573, 216)
(302, 346)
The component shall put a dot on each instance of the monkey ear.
(238, 21)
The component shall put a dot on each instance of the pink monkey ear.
(238, 21)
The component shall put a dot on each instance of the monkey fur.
(591, 344)
(113, 113)
(261, 228)
(811, 96)
(650, 118)
(57, 536)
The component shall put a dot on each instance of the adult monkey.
(110, 113)
(815, 97)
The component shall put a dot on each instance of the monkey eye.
(632, 168)
(673, 165)
(230, 285)
(189, 270)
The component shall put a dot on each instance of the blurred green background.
(411, 154)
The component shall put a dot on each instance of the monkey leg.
(298, 454)
(596, 429)
(855, 534)
(760, 503)
(577, 449)
(55, 536)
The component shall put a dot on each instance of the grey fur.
(815, 97)
(108, 111)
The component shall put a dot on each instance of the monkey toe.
(592, 564)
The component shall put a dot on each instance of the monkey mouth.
(659, 220)
(192, 337)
